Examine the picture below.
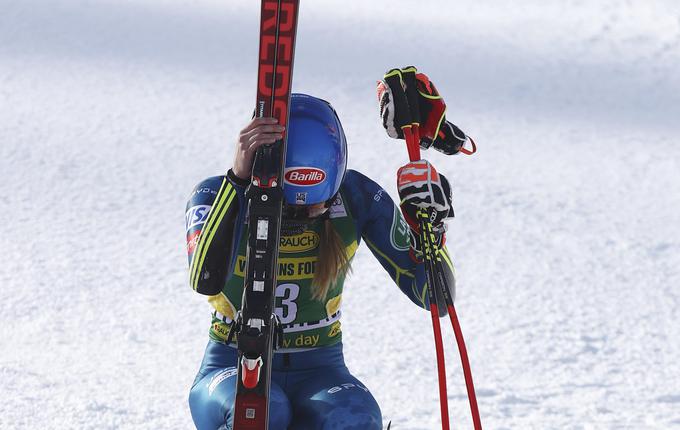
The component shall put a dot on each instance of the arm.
(387, 235)
(213, 212)
(406, 100)
(214, 215)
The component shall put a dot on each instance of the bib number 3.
(288, 293)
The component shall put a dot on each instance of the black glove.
(435, 130)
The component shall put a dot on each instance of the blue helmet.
(316, 152)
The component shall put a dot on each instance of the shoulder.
(200, 201)
(211, 183)
(366, 199)
(205, 191)
(360, 189)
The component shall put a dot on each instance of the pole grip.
(403, 117)
(411, 89)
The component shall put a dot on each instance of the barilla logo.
(305, 176)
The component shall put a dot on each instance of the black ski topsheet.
(257, 325)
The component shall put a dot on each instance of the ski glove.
(422, 187)
(435, 130)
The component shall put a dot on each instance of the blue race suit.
(311, 387)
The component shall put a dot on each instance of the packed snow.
(567, 228)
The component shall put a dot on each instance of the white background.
(567, 235)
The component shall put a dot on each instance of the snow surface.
(567, 236)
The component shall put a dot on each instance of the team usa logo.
(196, 215)
(304, 176)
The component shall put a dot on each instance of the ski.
(257, 327)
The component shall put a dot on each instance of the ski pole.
(465, 362)
(410, 81)
(407, 121)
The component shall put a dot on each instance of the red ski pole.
(465, 362)
(406, 123)
(413, 142)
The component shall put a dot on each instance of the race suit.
(216, 221)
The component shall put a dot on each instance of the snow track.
(567, 236)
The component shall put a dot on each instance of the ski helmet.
(316, 152)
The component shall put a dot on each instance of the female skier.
(328, 211)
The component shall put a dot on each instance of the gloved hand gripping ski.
(435, 130)
(421, 186)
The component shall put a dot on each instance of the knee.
(198, 405)
(348, 419)
(279, 418)
(211, 398)
(197, 398)
(203, 408)
(280, 411)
